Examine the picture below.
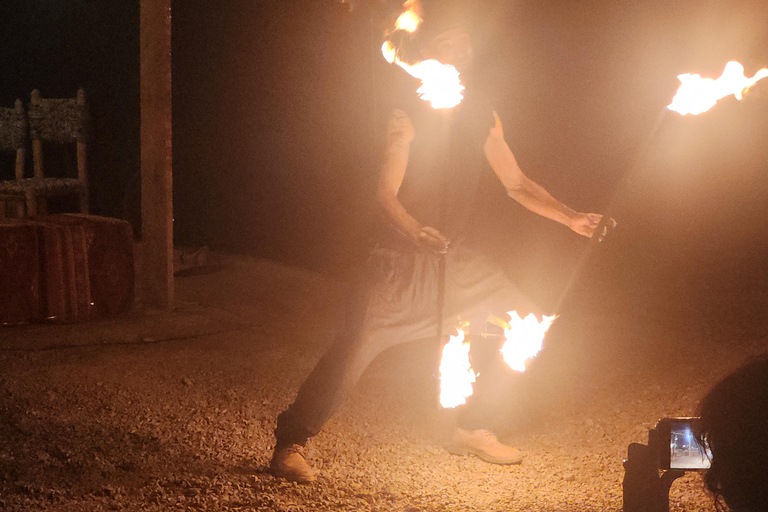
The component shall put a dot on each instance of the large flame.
(440, 83)
(524, 338)
(456, 373)
(410, 19)
(697, 94)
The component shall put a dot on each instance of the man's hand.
(431, 240)
(643, 489)
(585, 223)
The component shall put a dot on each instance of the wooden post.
(82, 160)
(18, 110)
(156, 165)
(37, 145)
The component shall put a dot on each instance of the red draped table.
(67, 267)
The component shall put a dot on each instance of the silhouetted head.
(734, 424)
(445, 34)
(452, 46)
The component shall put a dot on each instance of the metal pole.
(442, 262)
(607, 223)
(441, 297)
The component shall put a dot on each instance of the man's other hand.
(585, 223)
(431, 240)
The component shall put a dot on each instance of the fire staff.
(433, 165)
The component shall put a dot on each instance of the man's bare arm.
(528, 193)
(400, 133)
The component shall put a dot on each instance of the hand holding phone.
(678, 447)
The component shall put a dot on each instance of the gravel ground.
(175, 410)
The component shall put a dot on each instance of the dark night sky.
(277, 111)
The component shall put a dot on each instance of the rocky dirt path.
(175, 411)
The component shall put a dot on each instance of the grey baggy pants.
(393, 302)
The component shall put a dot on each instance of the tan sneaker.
(289, 463)
(485, 445)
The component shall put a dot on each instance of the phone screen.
(685, 452)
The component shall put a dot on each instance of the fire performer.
(434, 161)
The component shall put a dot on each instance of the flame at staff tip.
(525, 337)
(440, 83)
(456, 373)
(697, 95)
(410, 19)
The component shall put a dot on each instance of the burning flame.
(524, 336)
(440, 83)
(697, 95)
(410, 19)
(456, 373)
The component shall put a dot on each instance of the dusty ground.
(175, 411)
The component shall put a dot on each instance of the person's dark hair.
(443, 15)
(438, 16)
(734, 424)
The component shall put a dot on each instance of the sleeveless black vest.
(447, 164)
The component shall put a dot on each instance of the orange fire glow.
(440, 83)
(524, 338)
(697, 95)
(410, 19)
(456, 373)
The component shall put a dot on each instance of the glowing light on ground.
(456, 373)
(697, 95)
